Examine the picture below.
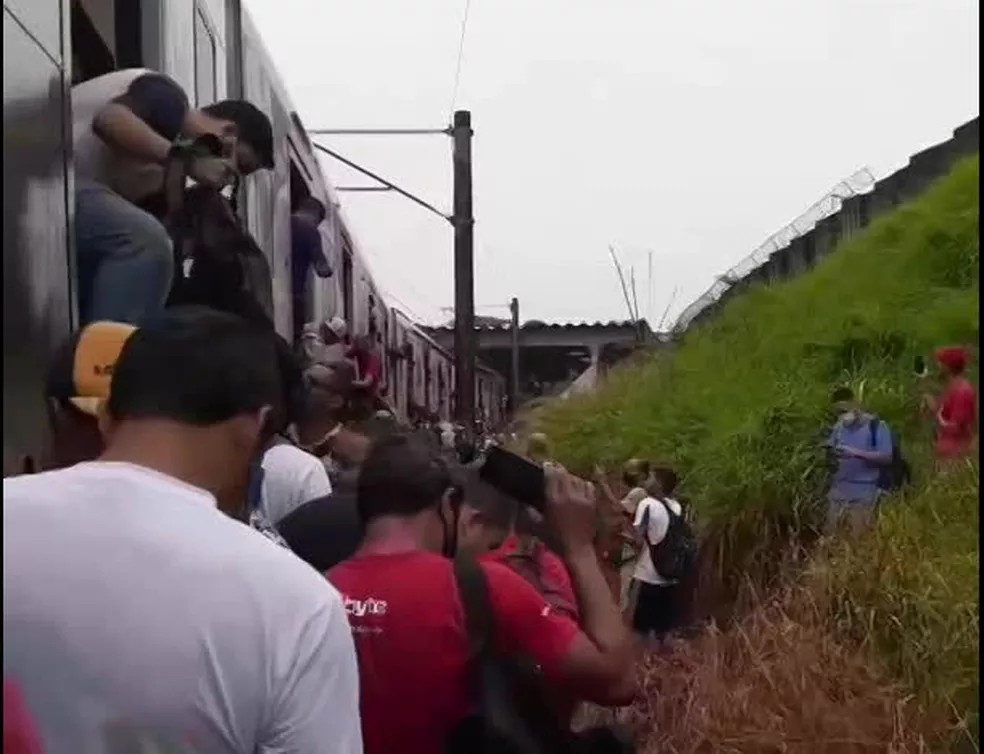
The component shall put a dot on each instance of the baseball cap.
(82, 368)
(337, 325)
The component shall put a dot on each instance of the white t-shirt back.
(94, 160)
(291, 477)
(659, 524)
(138, 617)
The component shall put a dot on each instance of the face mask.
(850, 417)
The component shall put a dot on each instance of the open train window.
(205, 82)
(106, 36)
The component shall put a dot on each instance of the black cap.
(252, 126)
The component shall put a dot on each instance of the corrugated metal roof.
(538, 325)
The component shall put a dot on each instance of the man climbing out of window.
(401, 592)
(127, 127)
(306, 252)
(862, 446)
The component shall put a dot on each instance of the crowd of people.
(234, 547)
(216, 558)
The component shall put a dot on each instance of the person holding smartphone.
(862, 447)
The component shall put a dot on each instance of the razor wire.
(858, 182)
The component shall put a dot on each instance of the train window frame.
(203, 23)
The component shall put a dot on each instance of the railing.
(829, 204)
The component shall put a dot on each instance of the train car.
(213, 49)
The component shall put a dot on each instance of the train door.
(38, 309)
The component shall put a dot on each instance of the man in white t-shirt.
(657, 598)
(291, 477)
(139, 613)
(125, 126)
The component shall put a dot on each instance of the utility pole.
(514, 332)
(464, 272)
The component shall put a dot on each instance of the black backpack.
(674, 556)
(500, 722)
(897, 473)
(511, 715)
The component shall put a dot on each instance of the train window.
(92, 31)
(205, 84)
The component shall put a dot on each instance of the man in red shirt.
(956, 409)
(408, 622)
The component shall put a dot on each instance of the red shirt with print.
(410, 636)
(958, 412)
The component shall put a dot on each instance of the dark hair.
(842, 394)
(401, 476)
(667, 479)
(498, 509)
(197, 366)
(314, 205)
(252, 125)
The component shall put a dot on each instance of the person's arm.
(317, 706)
(600, 665)
(881, 454)
(319, 260)
(145, 120)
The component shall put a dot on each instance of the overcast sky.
(689, 128)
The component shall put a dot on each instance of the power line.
(461, 55)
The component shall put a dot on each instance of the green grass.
(740, 407)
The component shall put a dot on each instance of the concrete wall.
(858, 211)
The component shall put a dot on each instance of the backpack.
(674, 556)
(225, 269)
(511, 714)
(499, 724)
(897, 473)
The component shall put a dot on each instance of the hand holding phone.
(515, 476)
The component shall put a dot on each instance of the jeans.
(125, 261)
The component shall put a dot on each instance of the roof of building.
(535, 324)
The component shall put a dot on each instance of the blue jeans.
(125, 261)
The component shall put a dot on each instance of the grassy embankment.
(874, 643)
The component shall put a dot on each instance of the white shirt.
(94, 160)
(138, 617)
(291, 477)
(659, 524)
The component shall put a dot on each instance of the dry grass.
(776, 681)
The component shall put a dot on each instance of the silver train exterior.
(213, 49)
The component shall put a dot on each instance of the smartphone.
(515, 476)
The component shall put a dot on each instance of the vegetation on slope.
(741, 407)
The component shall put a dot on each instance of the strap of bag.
(474, 593)
(873, 426)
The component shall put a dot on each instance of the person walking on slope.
(659, 603)
(862, 445)
(956, 409)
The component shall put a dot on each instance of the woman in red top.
(956, 409)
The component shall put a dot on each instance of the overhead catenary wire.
(461, 56)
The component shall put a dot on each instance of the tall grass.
(741, 407)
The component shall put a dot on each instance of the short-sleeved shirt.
(655, 532)
(856, 479)
(139, 617)
(958, 408)
(410, 636)
(291, 477)
(306, 249)
(154, 98)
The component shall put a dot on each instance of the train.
(214, 51)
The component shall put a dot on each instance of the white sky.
(689, 128)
